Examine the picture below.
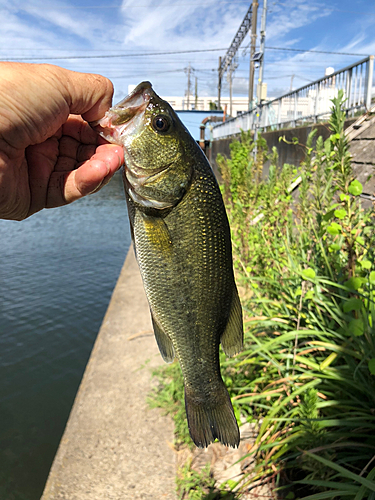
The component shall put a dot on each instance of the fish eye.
(161, 123)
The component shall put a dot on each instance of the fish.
(182, 242)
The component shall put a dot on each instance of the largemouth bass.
(182, 242)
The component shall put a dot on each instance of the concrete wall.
(288, 153)
(114, 446)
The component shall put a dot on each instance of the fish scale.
(184, 278)
(182, 241)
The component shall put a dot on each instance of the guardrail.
(308, 104)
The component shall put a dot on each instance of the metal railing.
(308, 104)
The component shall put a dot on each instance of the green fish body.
(182, 242)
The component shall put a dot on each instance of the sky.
(125, 40)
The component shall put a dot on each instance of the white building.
(292, 108)
(239, 104)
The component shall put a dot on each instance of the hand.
(48, 151)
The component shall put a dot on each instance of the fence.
(308, 104)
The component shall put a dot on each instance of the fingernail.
(120, 155)
(108, 165)
(97, 187)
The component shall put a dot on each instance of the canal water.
(57, 272)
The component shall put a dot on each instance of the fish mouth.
(122, 121)
(125, 115)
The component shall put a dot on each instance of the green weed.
(193, 485)
(307, 277)
(305, 267)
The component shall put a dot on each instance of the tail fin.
(210, 420)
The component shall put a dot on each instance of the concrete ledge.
(114, 446)
(288, 153)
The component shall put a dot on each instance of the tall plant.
(309, 297)
(306, 269)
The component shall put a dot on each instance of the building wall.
(305, 105)
(239, 104)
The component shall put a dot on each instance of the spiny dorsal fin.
(164, 342)
(232, 338)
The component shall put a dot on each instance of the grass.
(169, 395)
(306, 273)
(193, 485)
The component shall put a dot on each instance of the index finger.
(77, 128)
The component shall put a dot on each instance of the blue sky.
(88, 28)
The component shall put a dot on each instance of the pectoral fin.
(232, 338)
(164, 342)
(155, 233)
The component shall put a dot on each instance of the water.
(57, 272)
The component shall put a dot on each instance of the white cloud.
(297, 14)
(33, 28)
(33, 25)
(167, 26)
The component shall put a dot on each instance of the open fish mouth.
(125, 116)
(119, 125)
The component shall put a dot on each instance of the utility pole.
(196, 93)
(260, 76)
(230, 79)
(262, 45)
(219, 85)
(253, 38)
(232, 68)
(188, 71)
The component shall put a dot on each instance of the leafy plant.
(305, 267)
(307, 373)
(194, 485)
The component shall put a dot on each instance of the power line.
(152, 72)
(318, 51)
(106, 56)
(311, 50)
(145, 54)
(169, 5)
(118, 6)
(334, 9)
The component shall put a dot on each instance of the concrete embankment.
(288, 152)
(114, 446)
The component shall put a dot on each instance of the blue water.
(57, 272)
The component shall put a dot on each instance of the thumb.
(88, 94)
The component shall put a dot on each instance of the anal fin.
(232, 338)
(164, 342)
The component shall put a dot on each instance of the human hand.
(49, 154)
